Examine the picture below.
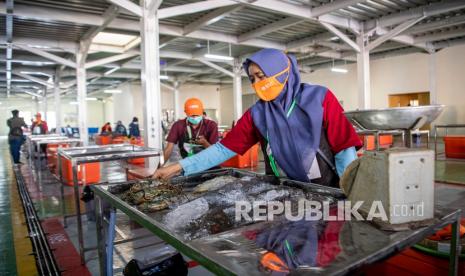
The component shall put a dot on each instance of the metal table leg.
(454, 248)
(100, 235)
(78, 212)
(110, 240)
(435, 142)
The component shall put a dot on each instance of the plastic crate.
(103, 140)
(137, 161)
(247, 160)
(455, 146)
(385, 141)
(91, 173)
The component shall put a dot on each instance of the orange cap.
(193, 106)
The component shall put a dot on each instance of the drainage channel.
(44, 258)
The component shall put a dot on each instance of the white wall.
(27, 108)
(404, 74)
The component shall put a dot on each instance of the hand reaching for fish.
(167, 172)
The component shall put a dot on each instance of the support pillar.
(363, 74)
(82, 94)
(150, 76)
(57, 98)
(432, 78)
(45, 104)
(237, 89)
(36, 101)
(177, 105)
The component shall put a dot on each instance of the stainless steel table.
(93, 154)
(233, 253)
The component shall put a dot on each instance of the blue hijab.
(294, 140)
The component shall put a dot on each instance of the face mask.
(194, 120)
(270, 88)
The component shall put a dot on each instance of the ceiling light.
(111, 71)
(218, 57)
(112, 91)
(91, 99)
(164, 77)
(339, 70)
(73, 103)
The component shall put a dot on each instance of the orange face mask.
(270, 88)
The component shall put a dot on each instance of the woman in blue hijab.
(301, 128)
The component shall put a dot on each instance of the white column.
(57, 98)
(45, 103)
(150, 77)
(81, 95)
(177, 106)
(36, 100)
(363, 74)
(432, 79)
(237, 89)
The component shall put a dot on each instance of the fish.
(214, 184)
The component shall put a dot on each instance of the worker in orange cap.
(192, 134)
(39, 126)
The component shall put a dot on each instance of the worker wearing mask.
(120, 130)
(15, 135)
(192, 134)
(134, 131)
(106, 129)
(302, 129)
(39, 127)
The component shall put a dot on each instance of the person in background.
(120, 130)
(301, 127)
(15, 135)
(39, 126)
(192, 134)
(134, 131)
(106, 129)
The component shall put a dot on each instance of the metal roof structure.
(37, 37)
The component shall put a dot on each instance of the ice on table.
(186, 213)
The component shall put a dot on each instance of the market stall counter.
(81, 159)
(197, 216)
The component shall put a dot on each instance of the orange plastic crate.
(103, 140)
(137, 142)
(455, 146)
(119, 140)
(384, 141)
(91, 173)
(247, 160)
(52, 150)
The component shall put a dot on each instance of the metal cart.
(93, 154)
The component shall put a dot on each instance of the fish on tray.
(215, 183)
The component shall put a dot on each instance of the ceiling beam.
(283, 23)
(440, 36)
(303, 12)
(216, 67)
(334, 6)
(33, 79)
(437, 24)
(426, 10)
(193, 8)
(110, 59)
(128, 5)
(210, 18)
(342, 36)
(47, 55)
(392, 33)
